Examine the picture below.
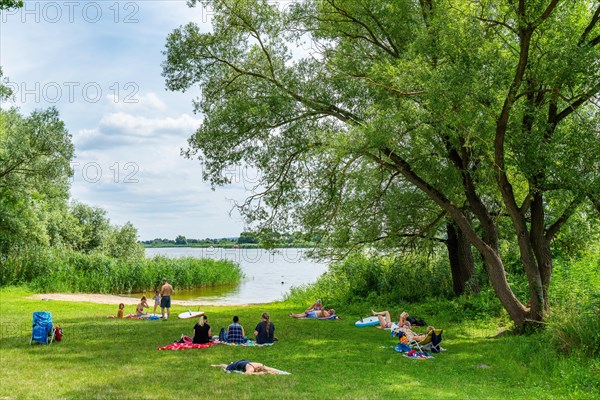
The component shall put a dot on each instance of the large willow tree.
(372, 120)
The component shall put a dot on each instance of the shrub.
(574, 319)
(379, 280)
(63, 270)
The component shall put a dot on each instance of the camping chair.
(43, 330)
(431, 341)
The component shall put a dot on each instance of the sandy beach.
(114, 299)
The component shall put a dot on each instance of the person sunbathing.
(316, 314)
(247, 367)
(385, 320)
(411, 335)
(403, 325)
(317, 305)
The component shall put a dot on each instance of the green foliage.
(35, 155)
(380, 280)
(5, 91)
(94, 225)
(360, 283)
(121, 242)
(8, 4)
(247, 237)
(574, 320)
(61, 270)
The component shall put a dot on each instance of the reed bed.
(62, 270)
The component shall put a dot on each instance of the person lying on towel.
(322, 314)
(247, 367)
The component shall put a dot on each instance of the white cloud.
(128, 138)
(123, 129)
(146, 127)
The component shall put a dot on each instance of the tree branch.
(573, 106)
(547, 11)
(555, 227)
(373, 38)
(590, 26)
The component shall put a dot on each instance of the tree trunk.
(461, 259)
(541, 249)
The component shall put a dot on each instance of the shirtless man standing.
(165, 298)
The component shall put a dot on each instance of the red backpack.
(58, 333)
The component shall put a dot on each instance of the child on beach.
(156, 300)
(120, 312)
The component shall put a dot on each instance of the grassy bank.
(52, 270)
(117, 359)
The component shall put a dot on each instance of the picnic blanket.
(145, 317)
(417, 355)
(185, 343)
(185, 346)
(248, 343)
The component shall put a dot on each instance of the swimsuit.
(239, 365)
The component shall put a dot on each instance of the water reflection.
(269, 275)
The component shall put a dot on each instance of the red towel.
(185, 346)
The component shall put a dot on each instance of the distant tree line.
(246, 239)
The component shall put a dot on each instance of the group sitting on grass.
(264, 332)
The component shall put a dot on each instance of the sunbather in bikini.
(385, 322)
(139, 309)
(317, 305)
(247, 367)
(315, 314)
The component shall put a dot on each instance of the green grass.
(102, 358)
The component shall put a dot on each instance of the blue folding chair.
(43, 329)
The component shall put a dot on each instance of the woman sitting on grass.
(202, 333)
(247, 367)
(265, 330)
(139, 309)
(317, 305)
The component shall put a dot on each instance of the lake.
(269, 275)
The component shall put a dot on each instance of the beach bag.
(58, 333)
(402, 348)
(184, 339)
(222, 335)
(416, 322)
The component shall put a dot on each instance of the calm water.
(268, 275)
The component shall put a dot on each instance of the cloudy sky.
(99, 62)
